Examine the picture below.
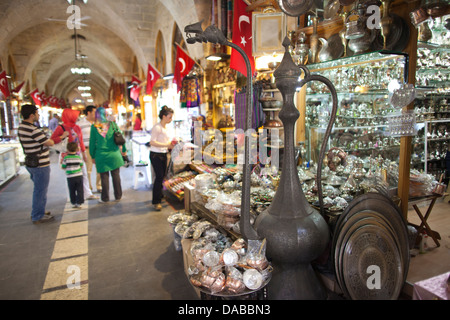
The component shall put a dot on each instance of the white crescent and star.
(243, 18)
(152, 75)
(3, 82)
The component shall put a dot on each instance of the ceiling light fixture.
(217, 57)
(84, 88)
(168, 76)
(79, 66)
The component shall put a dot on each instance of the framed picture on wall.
(269, 30)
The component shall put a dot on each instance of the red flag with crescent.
(4, 87)
(183, 65)
(18, 88)
(242, 37)
(44, 98)
(135, 89)
(152, 76)
(36, 96)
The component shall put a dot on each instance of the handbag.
(32, 159)
(118, 137)
(62, 146)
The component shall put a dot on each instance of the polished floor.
(116, 250)
(119, 250)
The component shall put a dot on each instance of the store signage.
(373, 21)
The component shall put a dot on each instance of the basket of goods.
(237, 268)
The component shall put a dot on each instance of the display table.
(9, 164)
(432, 289)
(423, 218)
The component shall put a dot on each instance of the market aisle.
(67, 275)
(124, 250)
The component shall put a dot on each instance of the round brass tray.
(378, 212)
(371, 252)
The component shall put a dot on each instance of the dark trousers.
(159, 164)
(115, 175)
(76, 189)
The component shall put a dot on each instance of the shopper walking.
(85, 123)
(160, 144)
(53, 122)
(72, 164)
(137, 123)
(35, 144)
(107, 156)
(69, 118)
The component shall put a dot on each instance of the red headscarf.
(69, 117)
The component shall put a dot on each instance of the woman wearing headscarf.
(69, 118)
(107, 156)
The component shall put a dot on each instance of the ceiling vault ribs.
(116, 36)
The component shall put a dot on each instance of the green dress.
(106, 153)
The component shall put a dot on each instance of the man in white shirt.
(85, 124)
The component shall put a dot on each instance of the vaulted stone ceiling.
(117, 36)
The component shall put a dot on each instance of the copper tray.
(379, 204)
(355, 222)
(367, 247)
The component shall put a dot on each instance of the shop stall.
(385, 150)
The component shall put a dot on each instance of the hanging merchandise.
(240, 103)
(190, 93)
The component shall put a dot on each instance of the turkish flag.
(4, 84)
(152, 76)
(242, 37)
(18, 88)
(183, 65)
(44, 98)
(135, 89)
(36, 97)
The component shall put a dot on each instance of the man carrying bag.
(35, 146)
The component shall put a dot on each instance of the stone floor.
(117, 250)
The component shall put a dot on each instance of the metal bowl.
(295, 8)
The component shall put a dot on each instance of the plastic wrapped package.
(206, 194)
(205, 181)
(213, 279)
(196, 230)
(240, 246)
(181, 216)
(227, 221)
(211, 258)
(229, 257)
(420, 184)
(253, 279)
(234, 283)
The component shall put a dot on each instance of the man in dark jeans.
(34, 141)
